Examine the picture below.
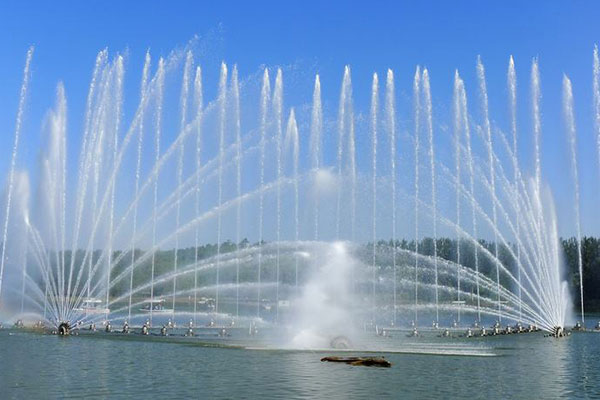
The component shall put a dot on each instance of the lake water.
(112, 366)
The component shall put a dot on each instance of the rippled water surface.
(523, 366)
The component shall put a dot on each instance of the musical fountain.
(148, 226)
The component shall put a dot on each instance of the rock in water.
(364, 361)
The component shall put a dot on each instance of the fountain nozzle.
(558, 331)
(63, 329)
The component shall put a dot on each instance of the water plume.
(417, 122)
(373, 118)
(324, 307)
(13, 159)
(572, 135)
(429, 126)
(316, 132)
(390, 107)
(264, 99)
(512, 96)
(490, 149)
(222, 121)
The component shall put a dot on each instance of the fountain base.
(558, 332)
(63, 329)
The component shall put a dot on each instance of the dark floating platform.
(364, 361)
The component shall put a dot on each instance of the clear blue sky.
(323, 35)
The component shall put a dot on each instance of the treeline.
(159, 264)
(163, 263)
(590, 252)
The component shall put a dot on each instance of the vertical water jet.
(417, 128)
(391, 124)
(235, 94)
(343, 110)
(457, 133)
(222, 119)
(198, 104)
(185, 88)
(264, 101)
(278, 111)
(569, 114)
(352, 165)
(293, 137)
(138, 165)
(373, 118)
(13, 159)
(85, 158)
(490, 150)
(118, 100)
(316, 128)
(536, 96)
(512, 96)
(461, 105)
(429, 126)
(157, 133)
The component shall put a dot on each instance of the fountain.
(151, 194)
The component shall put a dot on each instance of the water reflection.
(524, 366)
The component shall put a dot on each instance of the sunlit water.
(523, 366)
